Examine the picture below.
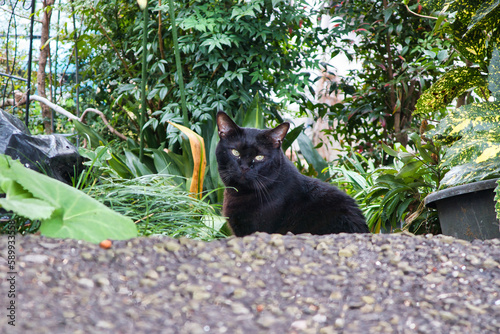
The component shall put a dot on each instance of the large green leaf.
(476, 126)
(475, 153)
(471, 172)
(38, 209)
(448, 87)
(254, 117)
(487, 13)
(134, 163)
(311, 155)
(291, 136)
(473, 27)
(65, 212)
(164, 164)
(87, 132)
(471, 45)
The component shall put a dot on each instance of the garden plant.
(154, 77)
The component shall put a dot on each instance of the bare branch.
(19, 15)
(21, 99)
(420, 15)
(55, 107)
(110, 128)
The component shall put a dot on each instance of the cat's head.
(248, 158)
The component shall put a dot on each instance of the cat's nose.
(244, 169)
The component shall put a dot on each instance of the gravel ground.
(257, 284)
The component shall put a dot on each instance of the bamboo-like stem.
(160, 38)
(143, 80)
(180, 78)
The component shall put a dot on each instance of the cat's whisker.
(262, 192)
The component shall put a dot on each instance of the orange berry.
(106, 244)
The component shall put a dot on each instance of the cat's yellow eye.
(259, 158)
(235, 152)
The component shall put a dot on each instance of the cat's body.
(267, 193)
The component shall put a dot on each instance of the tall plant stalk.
(144, 7)
(180, 78)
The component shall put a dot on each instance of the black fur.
(270, 194)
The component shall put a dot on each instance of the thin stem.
(420, 15)
(178, 63)
(143, 80)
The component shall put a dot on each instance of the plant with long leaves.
(392, 197)
(471, 131)
(159, 206)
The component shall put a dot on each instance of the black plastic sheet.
(52, 155)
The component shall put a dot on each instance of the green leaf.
(389, 150)
(312, 156)
(135, 165)
(254, 117)
(72, 214)
(291, 137)
(486, 11)
(30, 208)
(387, 14)
(119, 167)
(448, 87)
(409, 169)
(86, 131)
(474, 151)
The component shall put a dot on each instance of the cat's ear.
(278, 134)
(225, 125)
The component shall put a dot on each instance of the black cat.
(265, 192)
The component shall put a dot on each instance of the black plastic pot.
(467, 211)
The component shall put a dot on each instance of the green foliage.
(473, 28)
(126, 163)
(230, 51)
(474, 34)
(392, 197)
(159, 206)
(64, 212)
(400, 58)
(313, 158)
(450, 86)
(356, 176)
(472, 133)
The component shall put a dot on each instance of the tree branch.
(420, 15)
(54, 107)
(19, 15)
(110, 128)
(21, 99)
